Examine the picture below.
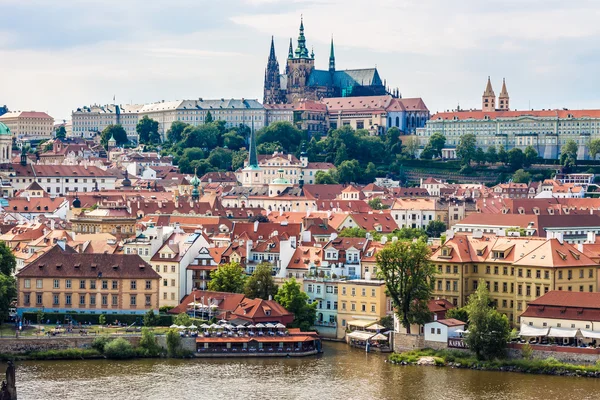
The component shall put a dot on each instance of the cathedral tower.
(299, 66)
(503, 99)
(488, 100)
(331, 58)
(272, 93)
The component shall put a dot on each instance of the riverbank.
(460, 359)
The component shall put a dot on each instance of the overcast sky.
(56, 56)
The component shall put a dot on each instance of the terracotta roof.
(258, 310)
(439, 305)
(68, 263)
(450, 322)
(564, 305)
(35, 204)
(380, 221)
(264, 230)
(225, 301)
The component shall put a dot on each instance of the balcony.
(352, 261)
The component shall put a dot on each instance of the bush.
(174, 345)
(526, 351)
(119, 349)
(100, 342)
(148, 346)
(67, 354)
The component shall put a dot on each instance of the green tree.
(376, 204)
(355, 232)
(410, 146)
(220, 158)
(148, 345)
(115, 131)
(491, 155)
(189, 160)
(409, 277)
(233, 140)
(348, 171)
(568, 154)
(325, 178)
(268, 148)
(502, 155)
(261, 284)
(370, 173)
(209, 118)
(102, 319)
(228, 278)
(460, 314)
(427, 153)
(175, 132)
(392, 142)
(341, 155)
(488, 329)
(594, 148)
(435, 228)
(480, 156)
(183, 319)
(173, 342)
(531, 156)
(516, 158)
(466, 148)
(437, 141)
(238, 158)
(61, 132)
(520, 176)
(8, 262)
(150, 319)
(283, 132)
(147, 130)
(119, 349)
(293, 299)
(8, 285)
(204, 136)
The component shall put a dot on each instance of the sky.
(58, 55)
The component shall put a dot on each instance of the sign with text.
(457, 343)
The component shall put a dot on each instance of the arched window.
(398, 122)
(390, 121)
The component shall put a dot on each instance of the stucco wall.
(565, 354)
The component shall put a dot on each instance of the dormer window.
(498, 254)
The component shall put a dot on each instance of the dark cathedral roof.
(346, 78)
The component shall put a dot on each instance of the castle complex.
(302, 81)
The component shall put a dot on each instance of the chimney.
(256, 225)
(52, 224)
(591, 237)
(580, 247)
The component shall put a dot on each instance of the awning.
(379, 336)
(562, 332)
(361, 323)
(528, 330)
(375, 327)
(590, 334)
(360, 335)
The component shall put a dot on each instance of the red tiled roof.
(563, 305)
(450, 322)
(478, 114)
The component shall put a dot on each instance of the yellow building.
(361, 300)
(29, 124)
(517, 270)
(62, 280)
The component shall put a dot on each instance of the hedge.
(162, 319)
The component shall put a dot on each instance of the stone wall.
(572, 355)
(403, 342)
(187, 343)
(24, 345)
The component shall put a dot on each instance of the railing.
(325, 323)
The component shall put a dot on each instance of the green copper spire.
(253, 157)
(291, 50)
(331, 57)
(301, 50)
(195, 182)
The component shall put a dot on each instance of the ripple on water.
(341, 373)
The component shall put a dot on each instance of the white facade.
(438, 332)
(60, 180)
(87, 121)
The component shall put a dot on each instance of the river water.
(340, 373)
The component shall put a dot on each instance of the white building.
(59, 180)
(28, 125)
(442, 329)
(88, 121)
(414, 212)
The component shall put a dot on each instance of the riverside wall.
(25, 345)
(572, 355)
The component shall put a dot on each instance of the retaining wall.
(24, 345)
(572, 355)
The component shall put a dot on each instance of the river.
(340, 373)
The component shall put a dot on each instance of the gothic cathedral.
(302, 81)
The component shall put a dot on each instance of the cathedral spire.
(291, 50)
(503, 99)
(301, 50)
(488, 89)
(331, 57)
(272, 52)
(503, 92)
(488, 100)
